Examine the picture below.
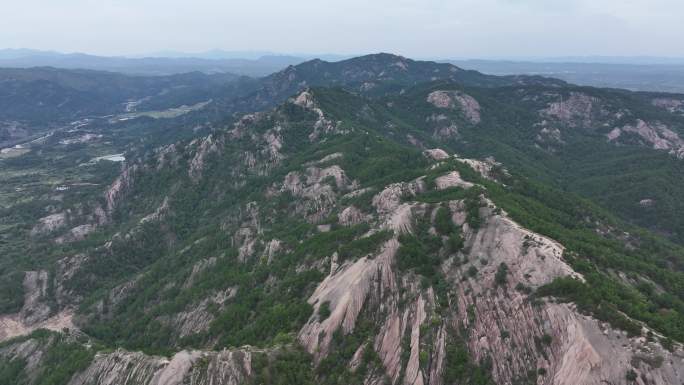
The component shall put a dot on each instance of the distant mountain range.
(175, 63)
(639, 73)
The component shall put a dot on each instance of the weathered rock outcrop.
(229, 367)
(453, 99)
(77, 233)
(351, 216)
(226, 367)
(273, 247)
(197, 317)
(36, 312)
(249, 227)
(49, 224)
(204, 147)
(673, 105)
(577, 349)
(346, 290)
(158, 213)
(487, 167)
(656, 135)
(436, 154)
(323, 125)
(317, 189)
(452, 179)
(576, 110)
(120, 187)
(501, 323)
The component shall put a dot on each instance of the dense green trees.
(12, 371)
(11, 292)
(443, 222)
(285, 366)
(420, 254)
(501, 275)
(459, 367)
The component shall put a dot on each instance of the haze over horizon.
(440, 29)
(227, 54)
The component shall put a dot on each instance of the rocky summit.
(377, 220)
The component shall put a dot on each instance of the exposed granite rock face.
(436, 154)
(503, 325)
(400, 221)
(120, 187)
(439, 357)
(673, 105)
(120, 367)
(592, 353)
(197, 318)
(453, 99)
(273, 247)
(351, 216)
(485, 167)
(656, 135)
(66, 269)
(245, 239)
(158, 213)
(330, 158)
(578, 109)
(226, 367)
(446, 132)
(443, 127)
(317, 189)
(197, 269)
(36, 312)
(246, 228)
(582, 111)
(78, 233)
(205, 147)
(531, 258)
(580, 349)
(498, 318)
(49, 224)
(392, 213)
(265, 152)
(323, 125)
(35, 295)
(105, 308)
(413, 373)
(346, 290)
(167, 156)
(452, 179)
(387, 201)
(273, 140)
(229, 367)
(549, 135)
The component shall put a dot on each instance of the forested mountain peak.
(371, 71)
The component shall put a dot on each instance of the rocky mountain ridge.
(339, 239)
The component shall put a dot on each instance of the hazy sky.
(428, 28)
